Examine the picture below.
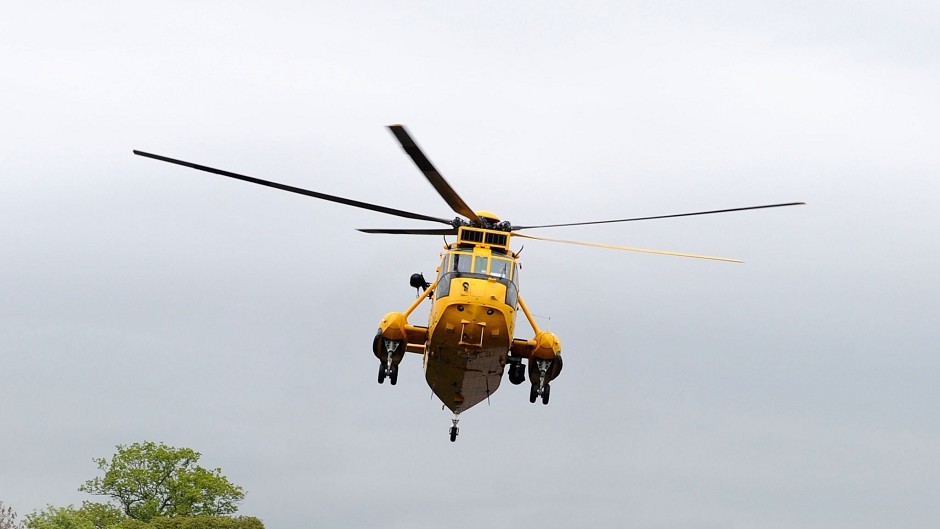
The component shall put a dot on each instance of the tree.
(148, 480)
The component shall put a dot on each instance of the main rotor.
(467, 216)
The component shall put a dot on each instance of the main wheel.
(382, 373)
(517, 374)
(393, 377)
(545, 391)
(453, 434)
(533, 393)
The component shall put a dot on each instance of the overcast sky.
(145, 301)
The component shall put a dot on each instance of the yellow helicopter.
(469, 341)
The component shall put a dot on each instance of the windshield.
(462, 264)
(466, 263)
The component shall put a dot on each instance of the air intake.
(496, 239)
(468, 235)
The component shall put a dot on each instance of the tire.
(545, 392)
(517, 374)
(381, 373)
(393, 377)
(533, 393)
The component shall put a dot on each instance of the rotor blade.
(629, 249)
(395, 231)
(440, 185)
(298, 190)
(659, 216)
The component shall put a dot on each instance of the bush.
(194, 522)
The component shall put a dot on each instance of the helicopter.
(469, 341)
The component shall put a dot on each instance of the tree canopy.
(149, 480)
(88, 516)
(91, 516)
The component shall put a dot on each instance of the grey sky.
(143, 301)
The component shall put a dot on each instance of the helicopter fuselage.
(469, 338)
(470, 330)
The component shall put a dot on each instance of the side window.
(512, 290)
(443, 278)
(445, 264)
(512, 295)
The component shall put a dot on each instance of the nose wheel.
(453, 429)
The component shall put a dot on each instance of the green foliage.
(150, 480)
(194, 522)
(88, 516)
(100, 516)
(58, 518)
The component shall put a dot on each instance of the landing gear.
(544, 392)
(516, 371)
(453, 429)
(389, 368)
(390, 372)
(542, 387)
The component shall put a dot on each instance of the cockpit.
(466, 264)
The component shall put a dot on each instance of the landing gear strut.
(541, 388)
(389, 368)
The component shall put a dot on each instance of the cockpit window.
(461, 262)
(500, 268)
(480, 265)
